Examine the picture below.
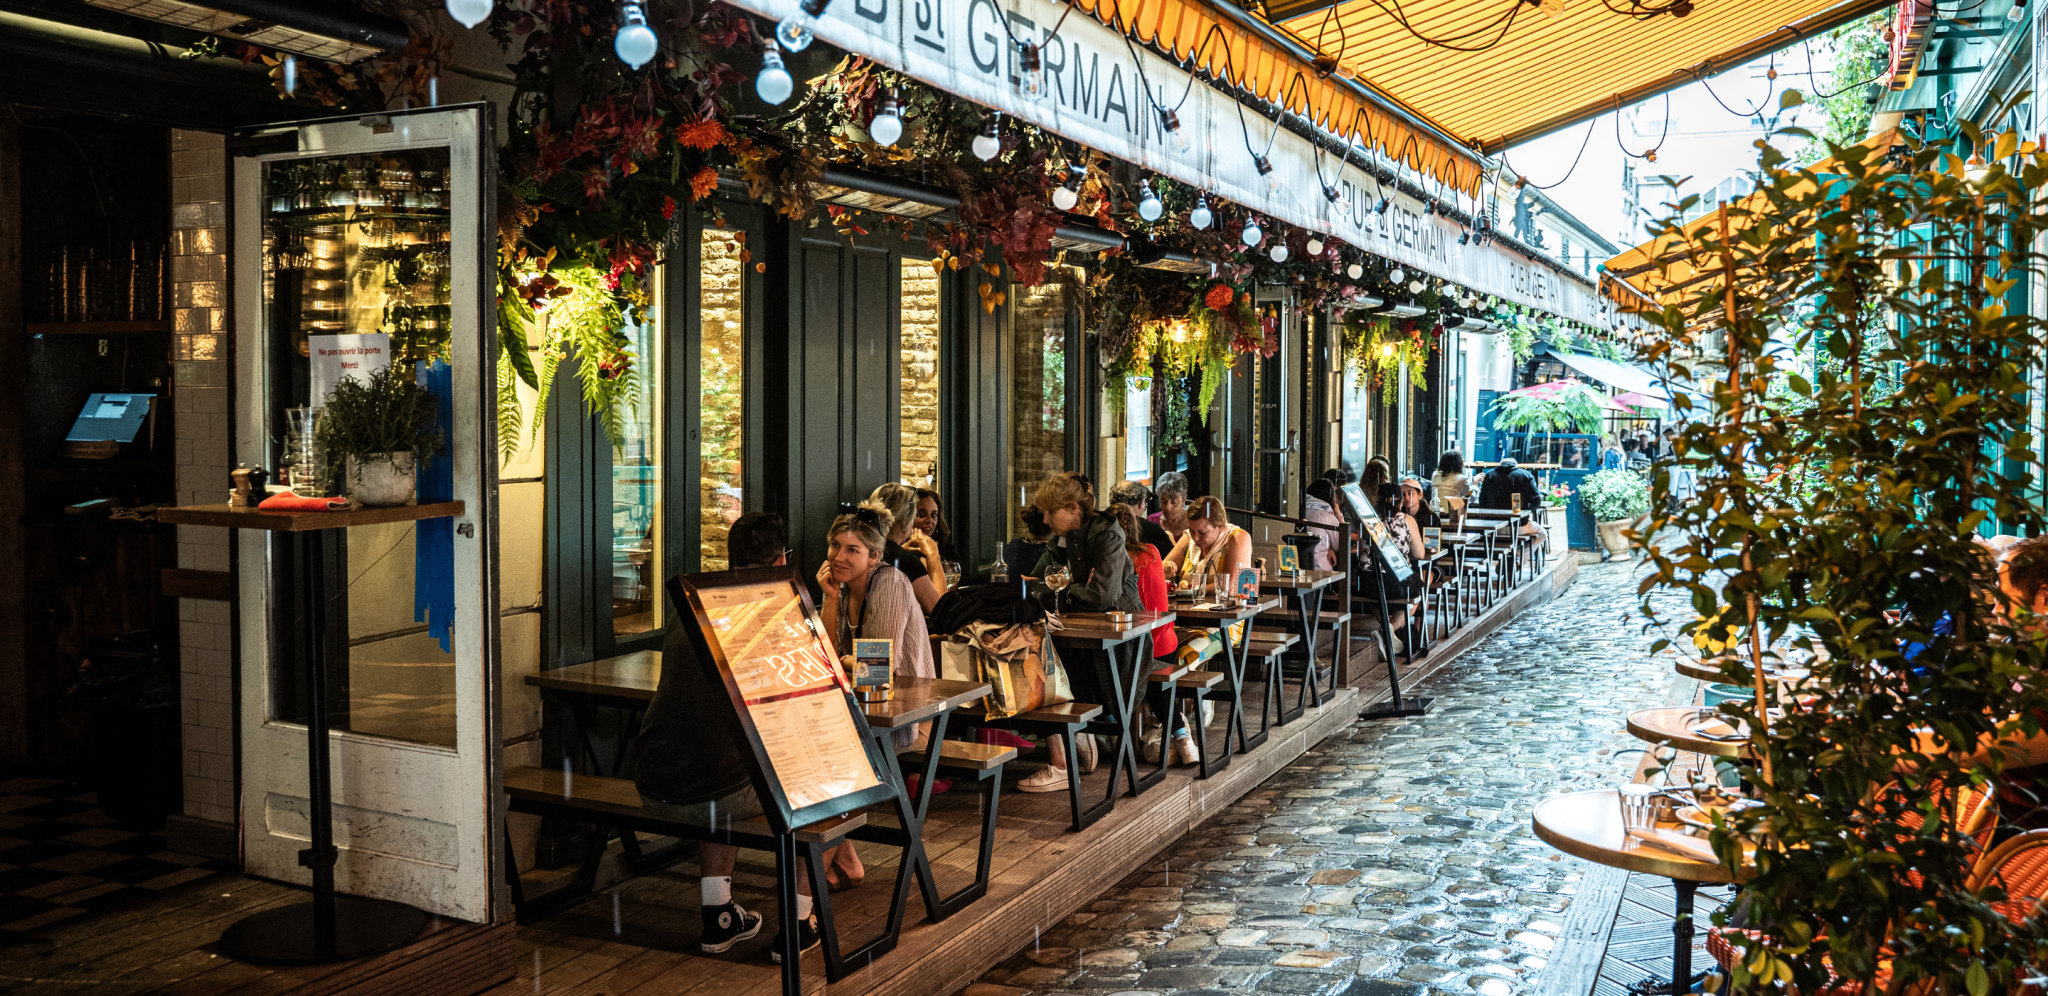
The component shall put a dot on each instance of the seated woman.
(1450, 479)
(1215, 549)
(932, 523)
(1400, 509)
(1152, 590)
(1173, 504)
(866, 599)
(910, 550)
(1131, 496)
(1020, 555)
(1321, 506)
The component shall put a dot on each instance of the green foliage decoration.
(1377, 350)
(1570, 409)
(586, 322)
(387, 412)
(1917, 421)
(1615, 494)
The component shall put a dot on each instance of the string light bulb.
(1030, 71)
(1385, 201)
(469, 13)
(1201, 217)
(887, 124)
(634, 42)
(796, 31)
(1252, 236)
(1397, 275)
(1315, 246)
(1279, 253)
(291, 74)
(2017, 12)
(1265, 168)
(773, 82)
(989, 144)
(1177, 141)
(1149, 207)
(1068, 194)
(1354, 271)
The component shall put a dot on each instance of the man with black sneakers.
(691, 777)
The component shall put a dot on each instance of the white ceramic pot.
(1558, 530)
(1611, 537)
(382, 478)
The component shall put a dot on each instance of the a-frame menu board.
(807, 742)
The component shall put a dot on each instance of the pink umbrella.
(1638, 401)
(1552, 389)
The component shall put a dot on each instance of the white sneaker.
(1184, 750)
(1151, 748)
(1048, 779)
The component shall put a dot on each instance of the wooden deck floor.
(639, 936)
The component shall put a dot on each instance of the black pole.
(312, 558)
(1395, 708)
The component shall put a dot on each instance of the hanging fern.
(579, 314)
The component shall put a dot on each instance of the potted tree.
(384, 426)
(1615, 498)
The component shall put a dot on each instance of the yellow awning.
(1653, 275)
(1536, 72)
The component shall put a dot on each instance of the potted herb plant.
(385, 426)
(1615, 498)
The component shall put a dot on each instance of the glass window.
(721, 300)
(636, 488)
(1038, 401)
(356, 278)
(919, 371)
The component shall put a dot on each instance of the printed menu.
(794, 690)
(1376, 530)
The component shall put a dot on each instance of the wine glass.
(1057, 579)
(952, 569)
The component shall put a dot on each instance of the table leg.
(1141, 666)
(1165, 725)
(1238, 658)
(1311, 605)
(1681, 947)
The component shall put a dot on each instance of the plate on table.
(1694, 816)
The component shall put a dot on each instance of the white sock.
(803, 906)
(716, 891)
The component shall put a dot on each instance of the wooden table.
(1675, 726)
(1588, 825)
(1304, 591)
(1119, 655)
(329, 927)
(629, 682)
(1235, 659)
(1710, 670)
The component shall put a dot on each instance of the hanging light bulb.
(1265, 167)
(291, 74)
(887, 124)
(1068, 194)
(1279, 252)
(772, 83)
(796, 31)
(1354, 271)
(1252, 235)
(1201, 217)
(469, 13)
(1315, 246)
(1398, 275)
(2017, 12)
(1414, 286)
(989, 144)
(1177, 141)
(1384, 202)
(635, 42)
(1030, 71)
(1149, 207)
(1464, 237)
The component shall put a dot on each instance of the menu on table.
(793, 687)
(1376, 530)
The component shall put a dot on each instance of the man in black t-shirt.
(691, 772)
(1510, 479)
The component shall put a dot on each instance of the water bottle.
(999, 572)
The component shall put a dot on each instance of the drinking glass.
(1057, 579)
(1198, 584)
(1639, 805)
(952, 569)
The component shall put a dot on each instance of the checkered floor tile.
(60, 857)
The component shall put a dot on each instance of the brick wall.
(199, 190)
(721, 300)
(919, 370)
(1038, 389)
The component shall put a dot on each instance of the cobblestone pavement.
(1395, 859)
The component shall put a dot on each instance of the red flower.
(1219, 297)
(703, 183)
(701, 135)
(668, 207)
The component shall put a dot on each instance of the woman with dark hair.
(1020, 555)
(1450, 480)
(1373, 480)
(907, 549)
(931, 522)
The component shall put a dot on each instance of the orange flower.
(703, 183)
(1219, 297)
(701, 135)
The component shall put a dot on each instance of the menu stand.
(330, 927)
(1396, 707)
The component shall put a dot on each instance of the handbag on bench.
(1015, 660)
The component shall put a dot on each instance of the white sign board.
(1096, 86)
(335, 357)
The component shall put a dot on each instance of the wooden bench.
(983, 763)
(1062, 721)
(615, 802)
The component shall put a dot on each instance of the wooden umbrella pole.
(1760, 730)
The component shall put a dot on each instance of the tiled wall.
(199, 191)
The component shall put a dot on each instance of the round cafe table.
(1679, 727)
(1710, 670)
(1588, 825)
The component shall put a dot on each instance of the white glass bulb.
(1065, 198)
(469, 13)
(291, 74)
(1030, 73)
(1398, 275)
(1252, 235)
(1149, 207)
(1279, 253)
(773, 82)
(987, 147)
(1315, 247)
(1201, 217)
(1354, 271)
(2016, 13)
(1414, 286)
(886, 126)
(635, 44)
(795, 31)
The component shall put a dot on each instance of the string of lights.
(1583, 142)
(1651, 155)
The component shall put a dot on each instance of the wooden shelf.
(99, 328)
(230, 517)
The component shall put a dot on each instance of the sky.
(1706, 142)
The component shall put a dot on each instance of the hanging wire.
(1699, 76)
(1588, 140)
(1505, 21)
(1651, 155)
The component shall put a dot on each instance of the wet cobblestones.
(1395, 859)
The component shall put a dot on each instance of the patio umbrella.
(1638, 401)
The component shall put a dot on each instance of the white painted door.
(344, 227)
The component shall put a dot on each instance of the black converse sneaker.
(806, 938)
(725, 926)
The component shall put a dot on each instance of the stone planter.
(1611, 537)
(1559, 530)
(382, 478)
